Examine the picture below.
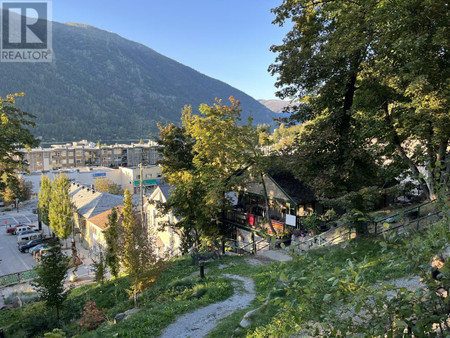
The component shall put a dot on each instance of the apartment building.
(84, 153)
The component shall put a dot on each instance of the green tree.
(44, 198)
(15, 135)
(108, 186)
(99, 268)
(370, 80)
(112, 243)
(15, 187)
(61, 207)
(204, 159)
(52, 272)
(138, 257)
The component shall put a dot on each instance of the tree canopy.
(15, 135)
(61, 207)
(108, 186)
(207, 157)
(370, 83)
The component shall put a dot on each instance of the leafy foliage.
(361, 102)
(108, 186)
(99, 268)
(15, 135)
(61, 207)
(44, 198)
(15, 187)
(207, 157)
(138, 256)
(112, 243)
(52, 272)
(92, 317)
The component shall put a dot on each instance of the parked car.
(10, 228)
(27, 232)
(21, 228)
(35, 249)
(30, 244)
(22, 239)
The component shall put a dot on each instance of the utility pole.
(141, 188)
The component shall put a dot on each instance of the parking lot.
(12, 260)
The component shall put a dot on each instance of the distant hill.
(276, 106)
(103, 87)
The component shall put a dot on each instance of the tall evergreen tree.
(52, 272)
(138, 256)
(112, 243)
(44, 198)
(61, 207)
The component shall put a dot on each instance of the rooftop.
(91, 203)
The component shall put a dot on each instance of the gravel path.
(200, 322)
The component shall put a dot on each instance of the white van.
(21, 228)
(22, 239)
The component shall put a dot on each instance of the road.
(12, 260)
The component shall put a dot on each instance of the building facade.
(91, 215)
(84, 153)
(167, 238)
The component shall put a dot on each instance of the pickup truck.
(10, 228)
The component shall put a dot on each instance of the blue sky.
(226, 39)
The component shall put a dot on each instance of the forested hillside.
(102, 86)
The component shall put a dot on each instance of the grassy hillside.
(325, 290)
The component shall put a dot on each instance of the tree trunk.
(395, 140)
(267, 205)
(135, 292)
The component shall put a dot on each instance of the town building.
(167, 238)
(84, 153)
(131, 178)
(126, 177)
(290, 201)
(91, 215)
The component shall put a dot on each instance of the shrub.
(25, 297)
(56, 333)
(92, 317)
(311, 223)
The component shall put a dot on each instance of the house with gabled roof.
(290, 200)
(91, 215)
(167, 238)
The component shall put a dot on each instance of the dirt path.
(200, 322)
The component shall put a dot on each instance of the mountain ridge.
(103, 86)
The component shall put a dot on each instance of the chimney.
(93, 191)
(87, 189)
(78, 184)
(92, 186)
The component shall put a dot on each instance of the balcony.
(253, 221)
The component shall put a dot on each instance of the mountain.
(276, 106)
(101, 86)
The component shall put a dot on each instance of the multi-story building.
(84, 153)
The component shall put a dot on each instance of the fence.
(244, 247)
(17, 277)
